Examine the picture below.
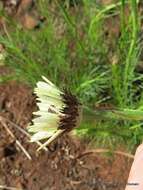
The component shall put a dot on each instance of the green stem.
(132, 46)
(122, 16)
(116, 114)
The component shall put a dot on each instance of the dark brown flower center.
(71, 111)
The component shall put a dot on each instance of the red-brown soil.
(58, 168)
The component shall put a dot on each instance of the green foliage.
(72, 50)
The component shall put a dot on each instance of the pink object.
(135, 180)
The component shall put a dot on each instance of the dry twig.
(131, 156)
(17, 142)
(5, 30)
(22, 130)
(8, 188)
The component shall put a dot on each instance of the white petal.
(47, 118)
(43, 107)
(45, 98)
(46, 104)
(40, 113)
(37, 128)
(48, 81)
(44, 113)
(41, 135)
(45, 89)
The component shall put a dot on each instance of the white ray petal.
(47, 118)
(44, 113)
(46, 89)
(38, 128)
(41, 113)
(48, 81)
(46, 104)
(46, 98)
(41, 135)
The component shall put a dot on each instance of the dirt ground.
(59, 168)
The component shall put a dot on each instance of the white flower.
(58, 112)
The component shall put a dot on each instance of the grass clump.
(77, 47)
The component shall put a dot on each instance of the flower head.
(58, 112)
